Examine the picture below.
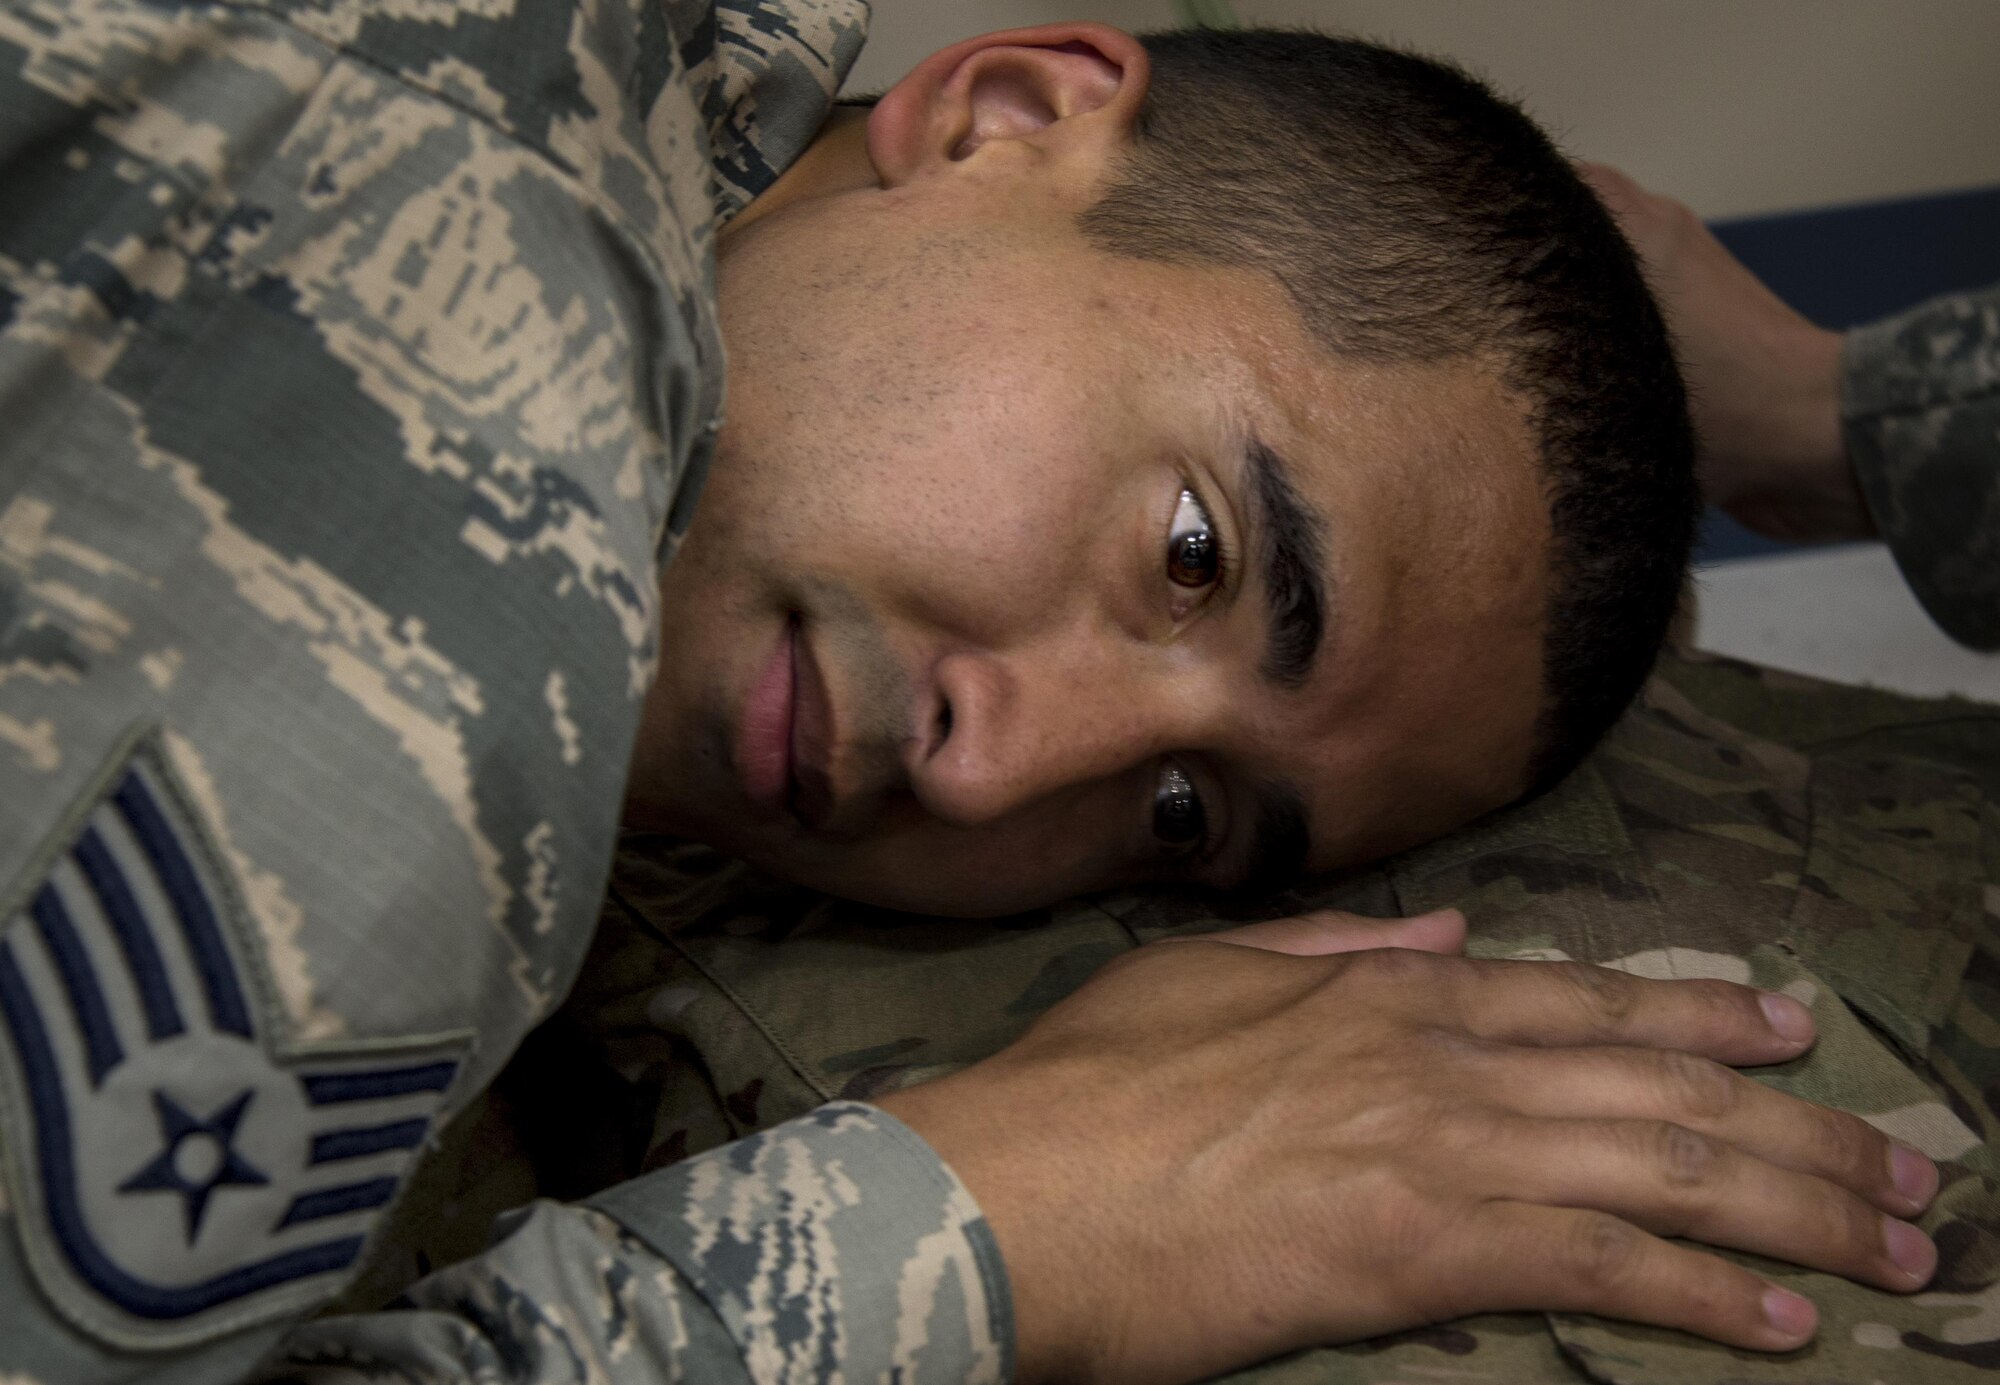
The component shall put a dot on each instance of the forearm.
(833, 1245)
(1921, 417)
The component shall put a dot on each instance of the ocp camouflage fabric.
(1921, 400)
(1838, 844)
(359, 366)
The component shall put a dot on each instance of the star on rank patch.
(178, 1168)
(196, 1156)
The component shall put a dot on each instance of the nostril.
(944, 723)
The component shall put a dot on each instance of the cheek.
(965, 511)
(921, 866)
(965, 467)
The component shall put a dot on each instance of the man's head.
(1197, 459)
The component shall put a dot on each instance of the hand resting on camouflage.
(1213, 1154)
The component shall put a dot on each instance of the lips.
(784, 745)
(812, 739)
(764, 744)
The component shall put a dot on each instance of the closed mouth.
(812, 797)
(764, 736)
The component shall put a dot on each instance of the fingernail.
(1910, 1248)
(1792, 1317)
(1792, 1021)
(1916, 1177)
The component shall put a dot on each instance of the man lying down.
(1212, 461)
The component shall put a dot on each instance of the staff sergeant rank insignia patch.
(177, 1170)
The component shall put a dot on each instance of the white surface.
(1734, 107)
(1840, 613)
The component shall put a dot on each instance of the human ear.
(1026, 85)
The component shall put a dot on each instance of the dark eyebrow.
(1291, 551)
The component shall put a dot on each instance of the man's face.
(1002, 585)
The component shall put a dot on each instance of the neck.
(837, 161)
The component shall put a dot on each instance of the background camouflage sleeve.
(1921, 399)
(833, 1247)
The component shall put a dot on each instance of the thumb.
(1326, 931)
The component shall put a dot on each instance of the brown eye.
(1194, 553)
(1178, 817)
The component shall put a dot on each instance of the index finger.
(1563, 1004)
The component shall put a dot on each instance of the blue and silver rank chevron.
(178, 1169)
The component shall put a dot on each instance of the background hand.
(1764, 381)
(1210, 1154)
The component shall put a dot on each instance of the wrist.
(1787, 420)
(1019, 1193)
(1813, 435)
(1775, 456)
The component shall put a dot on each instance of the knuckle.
(1683, 1157)
(1730, 1006)
(1693, 1086)
(1602, 1253)
(1606, 996)
(1836, 1229)
(1860, 1150)
(1708, 1298)
(1673, 213)
(1394, 966)
(1154, 961)
(1153, 954)
(1860, 1228)
(1622, 189)
(1394, 1223)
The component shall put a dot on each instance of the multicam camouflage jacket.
(1921, 399)
(359, 366)
(1839, 844)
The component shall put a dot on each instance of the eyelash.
(1188, 858)
(1190, 496)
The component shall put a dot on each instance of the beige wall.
(1738, 106)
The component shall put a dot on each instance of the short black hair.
(1415, 216)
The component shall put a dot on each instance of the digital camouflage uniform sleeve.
(358, 368)
(1921, 400)
(1839, 844)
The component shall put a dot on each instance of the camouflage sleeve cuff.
(837, 1246)
(1921, 415)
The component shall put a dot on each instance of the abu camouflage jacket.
(359, 365)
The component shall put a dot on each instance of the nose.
(1014, 728)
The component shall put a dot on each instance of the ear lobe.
(1011, 85)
